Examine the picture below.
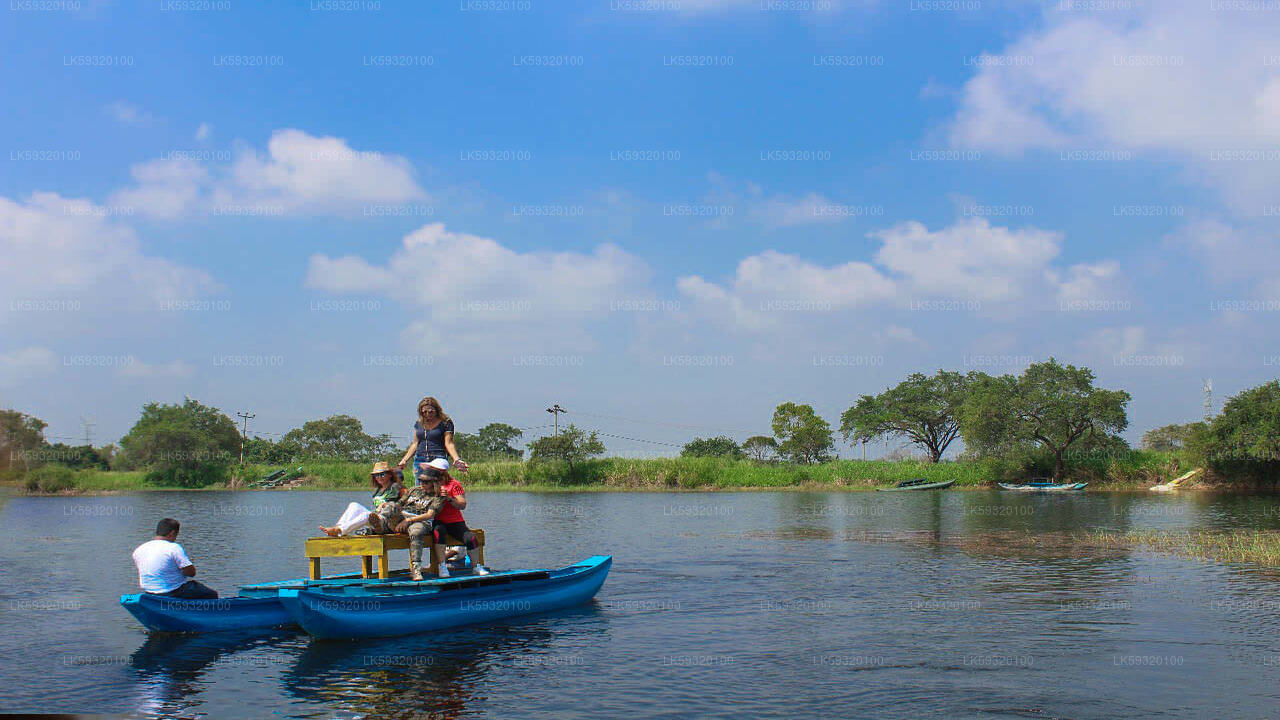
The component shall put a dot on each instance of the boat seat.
(367, 547)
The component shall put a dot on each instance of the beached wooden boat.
(1043, 486)
(1177, 482)
(403, 608)
(919, 484)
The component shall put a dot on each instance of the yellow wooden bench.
(367, 547)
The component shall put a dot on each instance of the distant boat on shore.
(1177, 482)
(918, 484)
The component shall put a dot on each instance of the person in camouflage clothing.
(419, 506)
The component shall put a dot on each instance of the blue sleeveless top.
(431, 442)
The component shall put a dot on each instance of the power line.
(244, 432)
(555, 412)
(661, 422)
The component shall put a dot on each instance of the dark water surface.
(719, 605)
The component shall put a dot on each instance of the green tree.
(923, 409)
(77, 457)
(572, 445)
(189, 445)
(340, 437)
(1244, 441)
(760, 447)
(494, 441)
(271, 452)
(719, 446)
(20, 434)
(1050, 404)
(803, 437)
(1169, 437)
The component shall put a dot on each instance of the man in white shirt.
(165, 569)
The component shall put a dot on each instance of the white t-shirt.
(160, 564)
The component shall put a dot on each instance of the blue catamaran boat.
(287, 602)
(359, 610)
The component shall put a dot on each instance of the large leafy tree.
(20, 434)
(1169, 437)
(341, 437)
(189, 444)
(270, 452)
(495, 441)
(803, 436)
(760, 447)
(78, 457)
(1245, 439)
(572, 445)
(923, 409)
(720, 446)
(1049, 404)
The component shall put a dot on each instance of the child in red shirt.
(449, 521)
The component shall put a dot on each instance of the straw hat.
(379, 468)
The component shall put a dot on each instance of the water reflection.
(435, 675)
(171, 668)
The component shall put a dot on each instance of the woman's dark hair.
(166, 526)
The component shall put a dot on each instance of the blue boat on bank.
(1043, 486)
(403, 608)
(266, 605)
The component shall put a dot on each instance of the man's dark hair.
(166, 526)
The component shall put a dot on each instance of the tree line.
(1041, 417)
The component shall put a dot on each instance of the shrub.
(51, 479)
(189, 476)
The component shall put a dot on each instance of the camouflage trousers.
(383, 521)
(419, 533)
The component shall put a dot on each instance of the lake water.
(719, 605)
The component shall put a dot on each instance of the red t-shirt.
(449, 513)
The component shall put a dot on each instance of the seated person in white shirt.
(165, 569)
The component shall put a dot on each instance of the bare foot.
(331, 532)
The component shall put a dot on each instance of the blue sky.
(668, 217)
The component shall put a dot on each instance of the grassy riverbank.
(1129, 471)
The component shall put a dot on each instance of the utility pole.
(1208, 400)
(555, 411)
(244, 433)
(87, 424)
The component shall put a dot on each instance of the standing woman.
(432, 438)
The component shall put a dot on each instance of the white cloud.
(299, 173)
(71, 249)
(477, 292)
(1161, 79)
(204, 132)
(969, 259)
(1087, 282)
(25, 364)
(321, 174)
(138, 369)
(770, 289)
(127, 113)
(165, 188)
(1232, 255)
(813, 208)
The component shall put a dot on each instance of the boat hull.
(1062, 487)
(360, 611)
(159, 613)
(926, 486)
(257, 605)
